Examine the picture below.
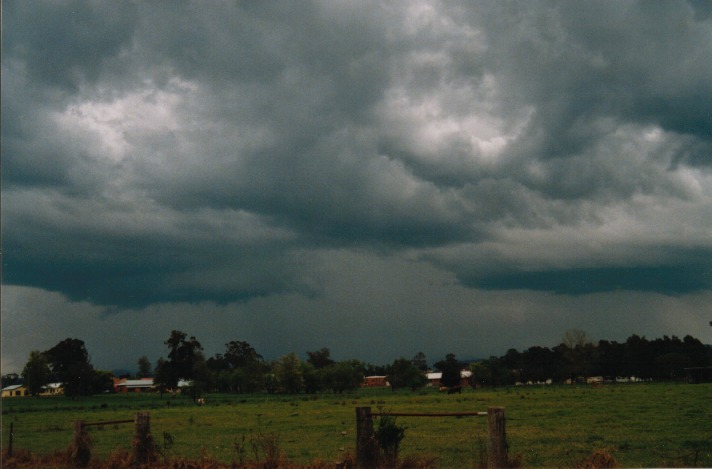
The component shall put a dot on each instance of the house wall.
(18, 392)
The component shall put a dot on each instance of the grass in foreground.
(643, 425)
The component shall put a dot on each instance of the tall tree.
(580, 353)
(343, 376)
(36, 372)
(288, 371)
(200, 377)
(164, 377)
(240, 354)
(404, 374)
(240, 369)
(144, 367)
(182, 354)
(69, 361)
(320, 358)
(10, 379)
(419, 361)
(450, 369)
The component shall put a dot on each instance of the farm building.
(134, 385)
(16, 390)
(52, 389)
(375, 382)
(434, 378)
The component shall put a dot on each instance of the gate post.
(143, 447)
(497, 441)
(81, 445)
(366, 446)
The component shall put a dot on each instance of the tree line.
(241, 369)
(578, 357)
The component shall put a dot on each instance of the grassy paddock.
(649, 425)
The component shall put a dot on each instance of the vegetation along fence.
(367, 445)
(142, 445)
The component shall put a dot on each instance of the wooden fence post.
(81, 445)
(366, 445)
(497, 441)
(143, 447)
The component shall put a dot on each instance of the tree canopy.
(69, 362)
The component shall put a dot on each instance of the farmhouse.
(52, 389)
(134, 385)
(375, 382)
(434, 378)
(16, 390)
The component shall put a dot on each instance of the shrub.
(389, 436)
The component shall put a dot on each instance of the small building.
(16, 390)
(434, 378)
(375, 382)
(134, 385)
(52, 389)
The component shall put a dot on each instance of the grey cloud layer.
(178, 152)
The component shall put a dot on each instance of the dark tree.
(450, 369)
(11, 379)
(288, 371)
(164, 377)
(404, 374)
(313, 378)
(580, 353)
(491, 372)
(36, 372)
(637, 360)
(240, 354)
(182, 354)
(320, 359)
(144, 367)
(343, 376)
(420, 362)
(537, 364)
(201, 379)
(103, 381)
(69, 361)
(240, 369)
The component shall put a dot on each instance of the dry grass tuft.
(599, 460)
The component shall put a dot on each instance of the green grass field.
(641, 425)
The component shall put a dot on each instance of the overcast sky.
(378, 178)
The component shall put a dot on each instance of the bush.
(389, 436)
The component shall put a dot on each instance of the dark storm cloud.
(184, 152)
(581, 65)
(64, 44)
(669, 280)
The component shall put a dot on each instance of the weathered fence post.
(143, 447)
(81, 445)
(366, 446)
(497, 441)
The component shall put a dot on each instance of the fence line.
(437, 414)
(110, 422)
